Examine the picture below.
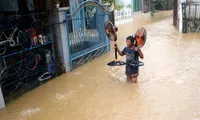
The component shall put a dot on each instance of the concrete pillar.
(61, 36)
(180, 15)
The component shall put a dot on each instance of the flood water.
(167, 88)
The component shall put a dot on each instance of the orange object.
(139, 39)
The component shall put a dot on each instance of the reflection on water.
(167, 89)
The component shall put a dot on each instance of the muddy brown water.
(167, 88)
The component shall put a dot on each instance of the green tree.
(109, 1)
(129, 6)
(163, 4)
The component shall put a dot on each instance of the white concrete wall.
(180, 15)
(61, 37)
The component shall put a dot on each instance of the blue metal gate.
(85, 31)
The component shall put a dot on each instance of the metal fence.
(26, 53)
(123, 14)
(86, 33)
(191, 16)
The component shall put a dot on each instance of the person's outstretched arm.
(118, 50)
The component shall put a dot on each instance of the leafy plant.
(163, 4)
(153, 10)
(90, 13)
(57, 2)
(118, 7)
(122, 4)
(129, 6)
(109, 1)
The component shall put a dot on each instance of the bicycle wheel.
(31, 61)
(44, 76)
(41, 60)
(49, 73)
(2, 49)
(51, 66)
(13, 66)
(25, 39)
(2, 46)
(10, 85)
(38, 26)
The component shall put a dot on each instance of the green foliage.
(118, 7)
(161, 5)
(153, 10)
(109, 1)
(57, 2)
(164, 4)
(129, 6)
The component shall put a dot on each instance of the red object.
(33, 36)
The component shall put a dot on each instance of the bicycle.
(12, 66)
(39, 31)
(50, 69)
(14, 38)
(24, 63)
(15, 70)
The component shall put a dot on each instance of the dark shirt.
(130, 56)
